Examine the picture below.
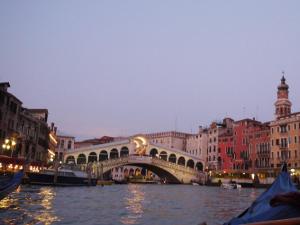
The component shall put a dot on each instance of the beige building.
(65, 143)
(215, 130)
(285, 131)
(170, 139)
(196, 144)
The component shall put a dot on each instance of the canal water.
(124, 204)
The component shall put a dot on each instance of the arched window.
(172, 158)
(199, 166)
(153, 152)
(81, 159)
(163, 155)
(114, 154)
(181, 161)
(103, 155)
(124, 152)
(190, 163)
(92, 157)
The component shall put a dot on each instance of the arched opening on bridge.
(190, 163)
(124, 152)
(172, 158)
(81, 159)
(92, 157)
(70, 160)
(114, 154)
(144, 171)
(163, 155)
(103, 155)
(131, 172)
(199, 166)
(126, 172)
(153, 152)
(181, 161)
(137, 172)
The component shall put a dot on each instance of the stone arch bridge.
(173, 165)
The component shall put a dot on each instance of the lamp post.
(9, 144)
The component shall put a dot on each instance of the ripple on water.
(124, 205)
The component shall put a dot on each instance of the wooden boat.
(9, 183)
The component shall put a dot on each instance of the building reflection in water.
(46, 214)
(133, 204)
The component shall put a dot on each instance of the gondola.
(264, 211)
(9, 183)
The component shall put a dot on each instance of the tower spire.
(282, 105)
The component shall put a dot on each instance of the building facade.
(285, 131)
(65, 143)
(215, 130)
(26, 129)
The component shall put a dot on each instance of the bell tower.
(283, 104)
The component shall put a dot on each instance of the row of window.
(285, 128)
(284, 142)
(62, 144)
(285, 154)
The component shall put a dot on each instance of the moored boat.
(9, 183)
(61, 177)
(231, 185)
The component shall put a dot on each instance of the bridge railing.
(175, 166)
(142, 159)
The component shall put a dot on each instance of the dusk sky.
(126, 67)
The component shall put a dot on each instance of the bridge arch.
(131, 172)
(114, 153)
(163, 155)
(126, 172)
(153, 152)
(181, 161)
(190, 163)
(70, 159)
(137, 172)
(172, 158)
(103, 155)
(124, 152)
(199, 166)
(92, 157)
(81, 159)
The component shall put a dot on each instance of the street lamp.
(9, 144)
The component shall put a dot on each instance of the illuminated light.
(10, 166)
(51, 152)
(53, 139)
(16, 166)
(244, 173)
(6, 141)
(137, 143)
(60, 162)
(224, 171)
(51, 159)
(252, 176)
(30, 167)
(21, 167)
(293, 170)
(4, 146)
(0, 165)
(13, 143)
(7, 147)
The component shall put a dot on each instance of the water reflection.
(133, 205)
(46, 214)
